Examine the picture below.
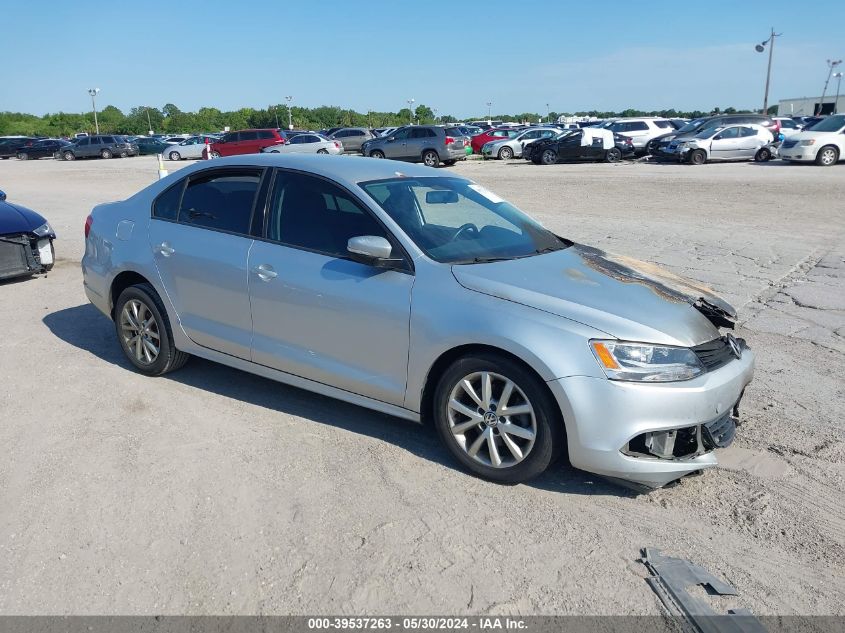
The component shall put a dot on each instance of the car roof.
(349, 170)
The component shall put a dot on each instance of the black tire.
(22, 156)
(613, 155)
(215, 154)
(827, 156)
(548, 157)
(762, 155)
(449, 163)
(550, 437)
(105, 154)
(698, 157)
(69, 156)
(169, 358)
(322, 151)
(506, 153)
(377, 153)
(174, 156)
(430, 158)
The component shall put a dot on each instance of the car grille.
(716, 353)
(789, 144)
(16, 256)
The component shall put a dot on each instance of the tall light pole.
(831, 64)
(836, 101)
(548, 114)
(93, 92)
(489, 116)
(149, 123)
(760, 48)
(410, 111)
(290, 117)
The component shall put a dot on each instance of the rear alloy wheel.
(105, 154)
(497, 418)
(217, 154)
(430, 158)
(827, 156)
(322, 151)
(762, 155)
(69, 156)
(698, 157)
(124, 154)
(614, 155)
(376, 154)
(144, 331)
(506, 153)
(548, 157)
(175, 156)
(23, 156)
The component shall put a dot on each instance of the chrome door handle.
(164, 249)
(265, 272)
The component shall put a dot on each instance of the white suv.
(641, 130)
(824, 143)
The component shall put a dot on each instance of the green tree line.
(170, 119)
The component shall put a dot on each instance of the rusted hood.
(623, 297)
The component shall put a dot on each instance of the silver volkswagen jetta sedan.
(421, 294)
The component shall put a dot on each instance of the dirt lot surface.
(212, 491)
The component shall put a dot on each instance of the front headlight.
(809, 141)
(642, 362)
(43, 230)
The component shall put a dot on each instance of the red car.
(246, 142)
(495, 134)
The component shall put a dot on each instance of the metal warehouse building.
(807, 106)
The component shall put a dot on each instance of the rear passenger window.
(248, 136)
(166, 206)
(663, 124)
(637, 126)
(266, 134)
(107, 140)
(221, 201)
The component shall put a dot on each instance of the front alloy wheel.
(491, 419)
(548, 157)
(506, 153)
(497, 418)
(827, 156)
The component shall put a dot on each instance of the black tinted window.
(731, 132)
(315, 214)
(221, 201)
(248, 136)
(107, 140)
(266, 134)
(747, 131)
(166, 206)
(454, 131)
(663, 124)
(83, 141)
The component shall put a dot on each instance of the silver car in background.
(508, 148)
(427, 144)
(421, 294)
(731, 142)
(306, 143)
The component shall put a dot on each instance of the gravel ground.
(212, 491)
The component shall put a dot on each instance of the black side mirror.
(2, 196)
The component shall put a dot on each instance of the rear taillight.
(88, 222)
(337, 145)
(449, 140)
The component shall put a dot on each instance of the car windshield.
(456, 221)
(691, 126)
(830, 124)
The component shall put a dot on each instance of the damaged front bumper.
(24, 254)
(652, 434)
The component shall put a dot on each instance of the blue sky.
(453, 56)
